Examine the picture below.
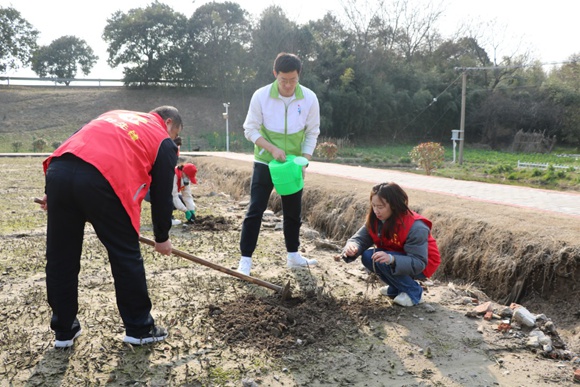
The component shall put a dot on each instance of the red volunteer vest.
(178, 173)
(397, 242)
(123, 146)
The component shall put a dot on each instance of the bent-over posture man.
(101, 175)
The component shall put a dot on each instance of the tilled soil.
(335, 329)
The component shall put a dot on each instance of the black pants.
(261, 188)
(77, 193)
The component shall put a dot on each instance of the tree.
(63, 58)
(220, 35)
(332, 55)
(562, 88)
(150, 42)
(17, 40)
(274, 33)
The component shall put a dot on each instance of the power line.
(513, 66)
(432, 102)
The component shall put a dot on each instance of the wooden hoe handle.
(284, 291)
(217, 267)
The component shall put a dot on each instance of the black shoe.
(155, 334)
(66, 340)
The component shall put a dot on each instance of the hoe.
(284, 291)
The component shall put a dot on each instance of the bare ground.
(336, 329)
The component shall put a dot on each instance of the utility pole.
(226, 117)
(462, 122)
(463, 97)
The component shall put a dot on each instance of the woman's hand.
(383, 257)
(350, 249)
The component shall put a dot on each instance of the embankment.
(512, 254)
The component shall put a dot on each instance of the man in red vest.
(100, 175)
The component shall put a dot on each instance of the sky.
(549, 30)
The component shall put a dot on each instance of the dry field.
(336, 330)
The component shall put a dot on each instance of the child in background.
(185, 174)
(404, 249)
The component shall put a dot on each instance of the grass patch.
(478, 165)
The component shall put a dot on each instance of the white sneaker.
(245, 265)
(384, 290)
(297, 260)
(403, 299)
(175, 222)
(67, 343)
(154, 335)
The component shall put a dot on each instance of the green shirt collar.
(275, 93)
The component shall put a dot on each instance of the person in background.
(100, 175)
(178, 141)
(283, 119)
(182, 197)
(403, 249)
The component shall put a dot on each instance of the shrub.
(500, 169)
(428, 155)
(38, 145)
(327, 150)
(56, 144)
(16, 145)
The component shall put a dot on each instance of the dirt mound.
(285, 326)
(211, 223)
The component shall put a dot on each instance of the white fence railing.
(542, 166)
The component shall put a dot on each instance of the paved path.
(567, 203)
(545, 200)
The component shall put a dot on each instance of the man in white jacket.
(185, 175)
(283, 119)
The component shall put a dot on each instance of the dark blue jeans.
(77, 193)
(260, 190)
(397, 283)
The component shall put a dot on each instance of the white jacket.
(268, 112)
(185, 203)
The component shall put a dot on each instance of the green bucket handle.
(287, 176)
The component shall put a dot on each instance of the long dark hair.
(397, 198)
